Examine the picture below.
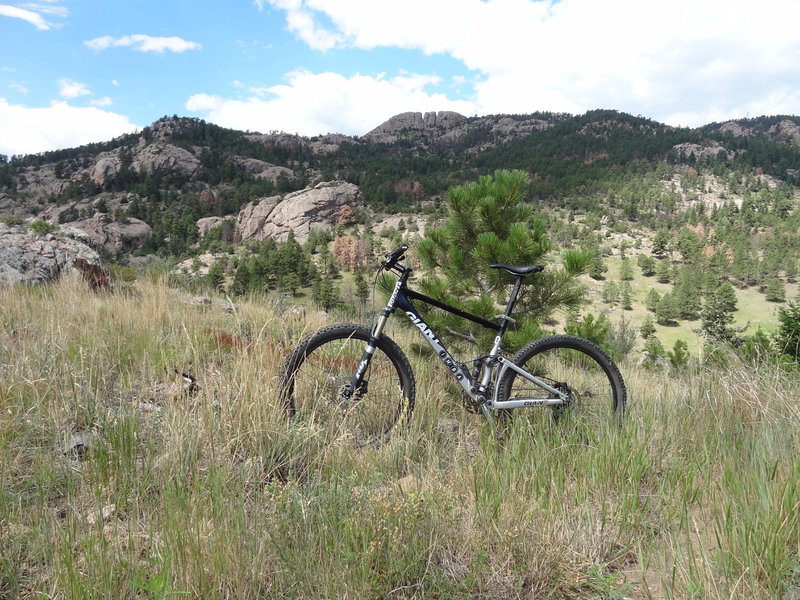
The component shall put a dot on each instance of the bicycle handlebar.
(394, 257)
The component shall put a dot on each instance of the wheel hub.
(349, 394)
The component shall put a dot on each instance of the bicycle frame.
(493, 362)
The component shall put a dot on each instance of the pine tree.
(775, 290)
(626, 295)
(625, 270)
(216, 276)
(679, 355)
(594, 329)
(289, 283)
(610, 292)
(688, 293)
(787, 338)
(667, 310)
(717, 315)
(487, 223)
(597, 267)
(663, 271)
(241, 278)
(325, 294)
(647, 328)
(661, 242)
(362, 288)
(647, 264)
(652, 300)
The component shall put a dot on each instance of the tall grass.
(115, 483)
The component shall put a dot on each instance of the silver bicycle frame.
(506, 364)
(400, 300)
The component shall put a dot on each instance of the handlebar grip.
(394, 256)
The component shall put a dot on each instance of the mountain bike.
(354, 384)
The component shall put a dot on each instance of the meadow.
(116, 481)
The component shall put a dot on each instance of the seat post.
(510, 307)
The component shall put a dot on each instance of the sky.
(79, 71)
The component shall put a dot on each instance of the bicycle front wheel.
(596, 394)
(318, 390)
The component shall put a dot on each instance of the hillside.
(179, 170)
(144, 451)
(722, 201)
(120, 481)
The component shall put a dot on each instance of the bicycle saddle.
(520, 271)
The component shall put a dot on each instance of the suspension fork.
(377, 331)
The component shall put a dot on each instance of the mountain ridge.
(180, 170)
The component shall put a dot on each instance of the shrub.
(787, 337)
(679, 355)
(593, 329)
(43, 227)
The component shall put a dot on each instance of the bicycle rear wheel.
(594, 386)
(316, 386)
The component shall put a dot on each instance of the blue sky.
(77, 71)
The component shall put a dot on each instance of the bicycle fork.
(369, 350)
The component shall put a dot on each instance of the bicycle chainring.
(470, 404)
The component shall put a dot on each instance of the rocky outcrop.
(264, 170)
(40, 180)
(10, 207)
(324, 144)
(736, 129)
(702, 151)
(206, 224)
(253, 217)
(786, 131)
(33, 259)
(320, 207)
(168, 128)
(401, 125)
(330, 143)
(159, 156)
(106, 167)
(446, 129)
(94, 218)
(114, 236)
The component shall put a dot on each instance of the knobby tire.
(315, 377)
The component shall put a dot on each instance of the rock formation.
(403, 124)
(33, 259)
(94, 217)
(446, 129)
(114, 236)
(264, 170)
(786, 131)
(158, 156)
(319, 207)
(709, 149)
(206, 224)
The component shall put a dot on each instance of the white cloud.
(32, 17)
(67, 88)
(14, 85)
(102, 102)
(29, 130)
(317, 103)
(665, 60)
(143, 43)
(32, 12)
(301, 20)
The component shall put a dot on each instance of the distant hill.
(160, 182)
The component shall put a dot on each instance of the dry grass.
(114, 483)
